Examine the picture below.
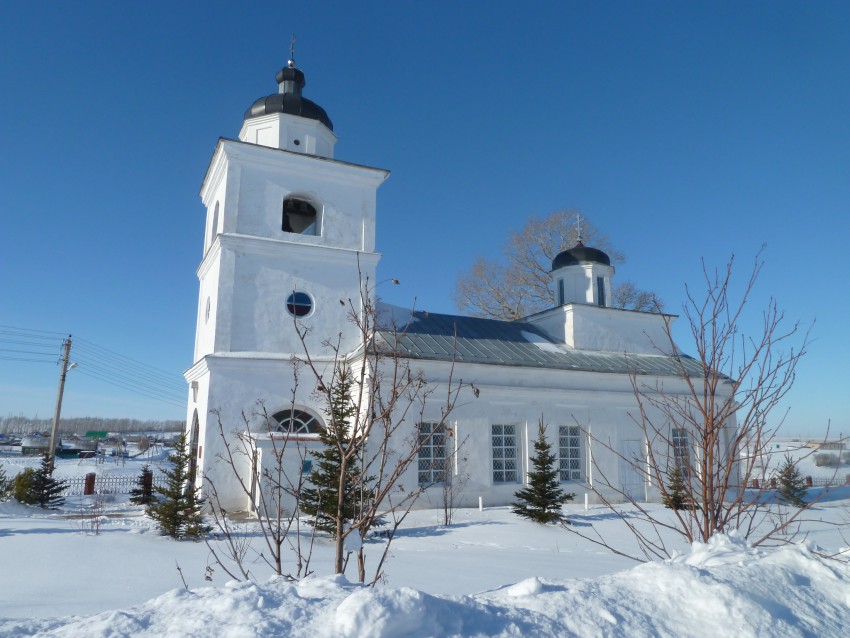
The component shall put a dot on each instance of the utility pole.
(65, 356)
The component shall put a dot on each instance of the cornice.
(278, 247)
(301, 163)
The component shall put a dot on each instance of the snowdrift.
(723, 588)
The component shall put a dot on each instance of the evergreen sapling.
(177, 506)
(678, 493)
(5, 485)
(541, 501)
(142, 494)
(321, 501)
(38, 487)
(792, 485)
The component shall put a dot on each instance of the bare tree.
(389, 395)
(454, 478)
(275, 501)
(712, 425)
(518, 284)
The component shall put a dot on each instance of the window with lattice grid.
(569, 452)
(504, 454)
(681, 454)
(432, 453)
(297, 422)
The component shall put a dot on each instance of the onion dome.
(580, 254)
(289, 100)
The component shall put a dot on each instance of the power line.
(128, 381)
(31, 360)
(145, 365)
(32, 331)
(22, 351)
(96, 362)
(124, 386)
(121, 364)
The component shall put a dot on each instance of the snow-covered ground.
(489, 574)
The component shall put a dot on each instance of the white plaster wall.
(281, 130)
(292, 452)
(602, 404)
(198, 375)
(209, 279)
(218, 197)
(615, 330)
(240, 386)
(589, 327)
(580, 282)
(260, 179)
(262, 281)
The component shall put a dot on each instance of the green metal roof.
(442, 337)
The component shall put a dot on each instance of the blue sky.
(683, 130)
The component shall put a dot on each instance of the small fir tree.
(5, 485)
(38, 487)
(541, 501)
(177, 506)
(792, 486)
(22, 487)
(320, 502)
(142, 494)
(678, 493)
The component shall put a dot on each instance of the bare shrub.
(825, 459)
(92, 515)
(388, 394)
(712, 423)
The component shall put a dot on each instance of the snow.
(721, 589)
(488, 574)
(541, 342)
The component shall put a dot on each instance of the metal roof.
(441, 337)
(289, 99)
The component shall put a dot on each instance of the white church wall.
(198, 378)
(216, 213)
(603, 405)
(278, 130)
(245, 385)
(616, 330)
(344, 195)
(589, 327)
(283, 458)
(263, 281)
(578, 287)
(209, 276)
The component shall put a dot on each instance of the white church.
(290, 231)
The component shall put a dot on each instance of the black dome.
(289, 100)
(579, 254)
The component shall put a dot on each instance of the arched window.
(297, 422)
(300, 216)
(193, 445)
(214, 225)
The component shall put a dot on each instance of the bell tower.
(290, 233)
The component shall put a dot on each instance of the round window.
(299, 304)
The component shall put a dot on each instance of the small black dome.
(290, 100)
(579, 254)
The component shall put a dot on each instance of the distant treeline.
(27, 425)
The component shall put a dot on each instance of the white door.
(630, 476)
